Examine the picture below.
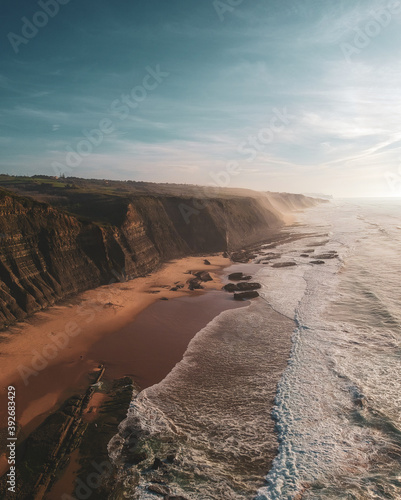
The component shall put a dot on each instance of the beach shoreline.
(123, 327)
(201, 410)
(48, 357)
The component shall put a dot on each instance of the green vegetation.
(92, 202)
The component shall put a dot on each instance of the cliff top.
(105, 201)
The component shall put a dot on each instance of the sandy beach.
(130, 329)
(47, 358)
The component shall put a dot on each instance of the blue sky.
(300, 96)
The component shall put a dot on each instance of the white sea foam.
(339, 397)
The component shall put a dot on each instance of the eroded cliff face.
(47, 255)
(42, 257)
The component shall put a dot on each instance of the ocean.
(321, 346)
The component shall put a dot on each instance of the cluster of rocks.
(242, 290)
(194, 283)
(177, 286)
(319, 259)
(243, 256)
(200, 276)
(267, 257)
(157, 470)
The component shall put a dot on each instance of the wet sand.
(215, 407)
(148, 348)
(67, 482)
(103, 319)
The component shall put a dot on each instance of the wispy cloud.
(225, 80)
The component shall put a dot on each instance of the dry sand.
(88, 317)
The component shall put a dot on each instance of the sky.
(286, 95)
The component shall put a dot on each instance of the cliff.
(85, 239)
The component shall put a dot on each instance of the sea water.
(338, 406)
(337, 403)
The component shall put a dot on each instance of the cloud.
(225, 81)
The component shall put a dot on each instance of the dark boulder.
(238, 277)
(304, 255)
(157, 464)
(252, 294)
(235, 276)
(317, 262)
(272, 256)
(203, 276)
(284, 264)
(206, 262)
(194, 284)
(328, 255)
(243, 287)
(137, 457)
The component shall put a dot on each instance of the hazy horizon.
(216, 187)
(279, 96)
